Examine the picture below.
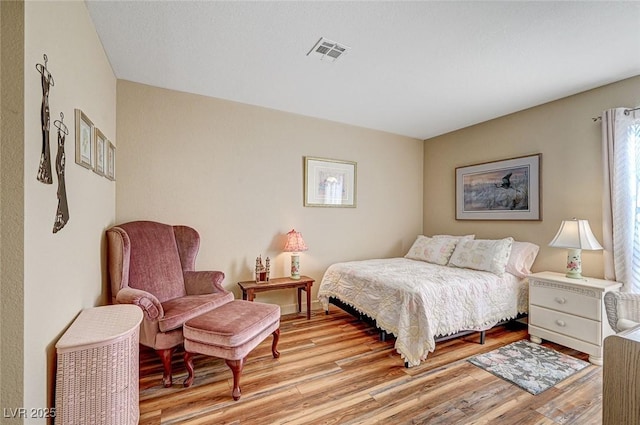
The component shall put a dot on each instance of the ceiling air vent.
(328, 50)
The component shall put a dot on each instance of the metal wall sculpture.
(62, 214)
(44, 169)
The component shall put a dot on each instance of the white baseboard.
(293, 308)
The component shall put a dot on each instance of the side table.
(570, 312)
(251, 287)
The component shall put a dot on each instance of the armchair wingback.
(152, 266)
(623, 310)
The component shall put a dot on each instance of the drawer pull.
(560, 300)
(561, 323)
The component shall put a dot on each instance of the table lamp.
(575, 235)
(295, 244)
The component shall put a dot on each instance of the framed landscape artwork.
(501, 190)
(329, 183)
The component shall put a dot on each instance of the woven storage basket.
(97, 368)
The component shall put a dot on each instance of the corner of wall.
(11, 204)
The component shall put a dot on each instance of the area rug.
(530, 366)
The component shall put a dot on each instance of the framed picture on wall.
(100, 152)
(84, 140)
(500, 190)
(111, 161)
(329, 183)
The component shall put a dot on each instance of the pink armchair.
(152, 266)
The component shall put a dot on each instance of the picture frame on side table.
(100, 151)
(329, 183)
(84, 140)
(508, 189)
(110, 166)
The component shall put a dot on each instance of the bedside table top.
(591, 282)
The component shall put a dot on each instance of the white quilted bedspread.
(417, 301)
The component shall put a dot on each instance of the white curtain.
(621, 218)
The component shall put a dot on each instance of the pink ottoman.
(230, 332)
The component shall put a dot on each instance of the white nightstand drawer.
(573, 326)
(567, 301)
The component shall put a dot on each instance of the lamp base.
(574, 264)
(295, 266)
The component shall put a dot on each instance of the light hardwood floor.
(333, 369)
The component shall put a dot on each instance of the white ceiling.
(418, 69)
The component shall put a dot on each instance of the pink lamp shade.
(294, 245)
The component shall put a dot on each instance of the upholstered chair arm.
(149, 304)
(621, 308)
(203, 282)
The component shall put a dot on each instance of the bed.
(444, 285)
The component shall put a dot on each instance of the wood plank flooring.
(333, 369)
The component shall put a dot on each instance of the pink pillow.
(523, 254)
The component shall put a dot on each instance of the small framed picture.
(100, 152)
(111, 161)
(84, 140)
(329, 183)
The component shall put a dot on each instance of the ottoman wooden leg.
(188, 363)
(236, 368)
(274, 345)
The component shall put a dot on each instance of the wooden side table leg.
(250, 295)
(300, 299)
(308, 301)
(244, 294)
(236, 369)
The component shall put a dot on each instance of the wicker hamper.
(97, 368)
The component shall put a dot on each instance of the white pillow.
(457, 238)
(523, 254)
(482, 254)
(432, 250)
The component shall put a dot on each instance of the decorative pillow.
(457, 238)
(432, 250)
(482, 254)
(523, 254)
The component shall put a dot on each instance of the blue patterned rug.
(530, 366)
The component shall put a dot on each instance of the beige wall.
(64, 272)
(235, 173)
(11, 204)
(570, 143)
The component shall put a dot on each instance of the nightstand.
(570, 312)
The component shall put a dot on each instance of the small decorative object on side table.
(262, 270)
(570, 312)
(304, 283)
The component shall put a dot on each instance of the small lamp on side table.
(295, 244)
(575, 235)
